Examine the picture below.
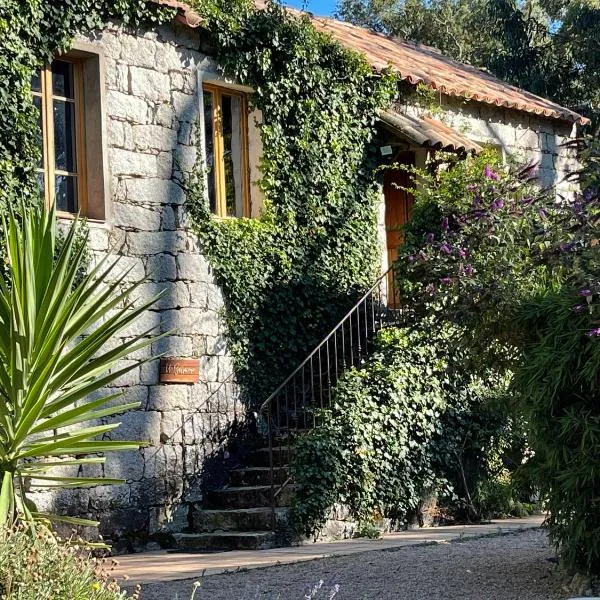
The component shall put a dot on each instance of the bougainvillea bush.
(519, 270)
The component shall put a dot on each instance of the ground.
(515, 566)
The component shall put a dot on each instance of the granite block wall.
(152, 102)
(522, 135)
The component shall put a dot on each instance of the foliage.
(53, 353)
(405, 425)
(520, 271)
(367, 529)
(547, 47)
(559, 384)
(289, 275)
(38, 566)
(482, 239)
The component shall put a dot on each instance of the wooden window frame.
(219, 150)
(47, 107)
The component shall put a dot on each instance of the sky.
(318, 7)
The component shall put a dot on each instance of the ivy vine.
(289, 275)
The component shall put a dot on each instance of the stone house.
(124, 113)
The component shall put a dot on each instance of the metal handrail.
(328, 337)
(379, 309)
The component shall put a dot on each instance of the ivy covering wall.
(289, 276)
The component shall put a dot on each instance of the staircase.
(239, 516)
(249, 511)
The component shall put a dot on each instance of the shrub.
(37, 567)
(412, 421)
(560, 385)
(521, 273)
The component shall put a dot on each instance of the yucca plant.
(54, 331)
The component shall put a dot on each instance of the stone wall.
(151, 100)
(523, 135)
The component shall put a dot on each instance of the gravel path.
(508, 567)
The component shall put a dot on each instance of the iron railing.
(298, 403)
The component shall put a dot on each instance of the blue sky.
(318, 7)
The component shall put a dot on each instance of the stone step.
(241, 519)
(255, 496)
(225, 540)
(260, 457)
(257, 476)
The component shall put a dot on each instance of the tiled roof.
(422, 64)
(427, 132)
(185, 13)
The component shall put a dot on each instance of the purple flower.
(430, 237)
(588, 194)
(430, 288)
(578, 308)
(446, 249)
(593, 332)
(446, 280)
(468, 270)
(476, 201)
(490, 173)
(586, 293)
(445, 223)
(471, 187)
(462, 253)
(542, 213)
(411, 258)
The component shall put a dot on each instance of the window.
(226, 151)
(58, 95)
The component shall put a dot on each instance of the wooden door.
(398, 207)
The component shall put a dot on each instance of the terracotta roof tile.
(420, 64)
(427, 132)
(185, 13)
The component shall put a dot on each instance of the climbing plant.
(413, 422)
(288, 275)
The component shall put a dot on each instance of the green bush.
(35, 566)
(411, 422)
(560, 385)
(520, 272)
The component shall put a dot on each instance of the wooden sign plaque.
(179, 370)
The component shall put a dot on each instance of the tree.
(549, 47)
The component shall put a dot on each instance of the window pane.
(37, 102)
(40, 179)
(36, 81)
(209, 148)
(64, 135)
(232, 146)
(66, 193)
(62, 79)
